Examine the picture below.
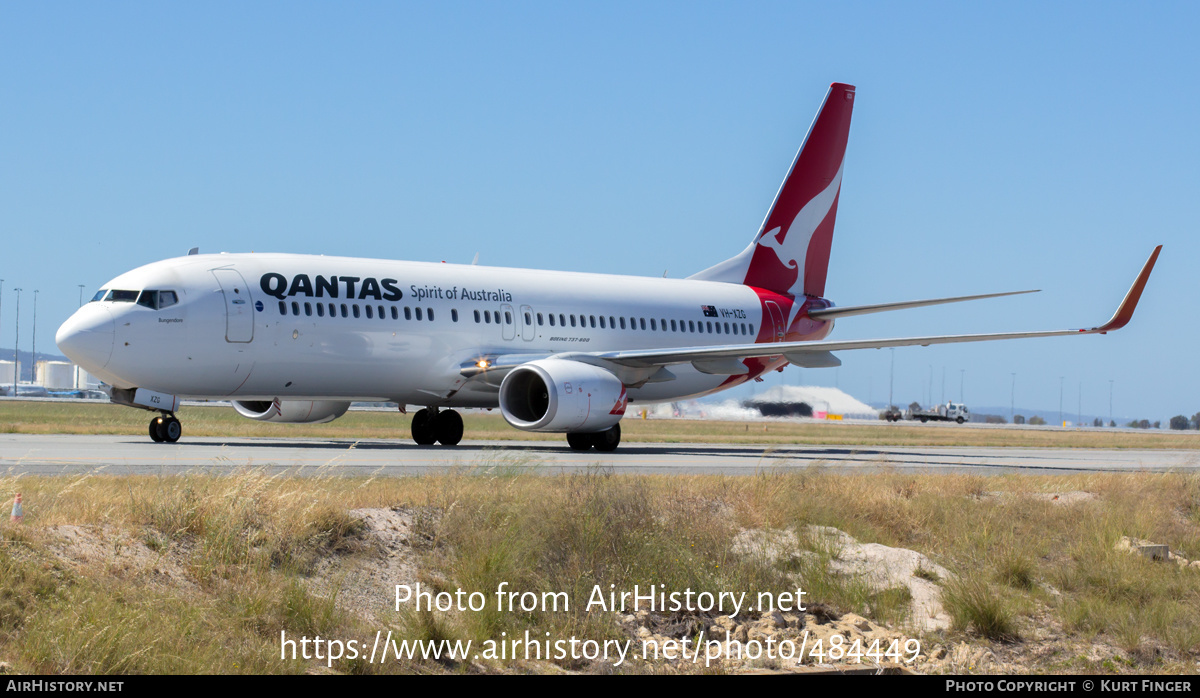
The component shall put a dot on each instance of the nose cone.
(87, 337)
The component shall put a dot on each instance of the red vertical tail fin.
(790, 253)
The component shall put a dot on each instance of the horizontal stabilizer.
(832, 313)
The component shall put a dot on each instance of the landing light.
(483, 363)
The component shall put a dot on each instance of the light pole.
(16, 344)
(892, 378)
(1060, 396)
(77, 366)
(33, 353)
(1012, 404)
(962, 377)
(1079, 406)
(1110, 418)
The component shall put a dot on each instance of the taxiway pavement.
(61, 454)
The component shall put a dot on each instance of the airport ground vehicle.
(949, 412)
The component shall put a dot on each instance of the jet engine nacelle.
(292, 411)
(561, 396)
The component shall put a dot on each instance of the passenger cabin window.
(370, 313)
(429, 313)
(476, 317)
(308, 309)
(454, 314)
(539, 318)
(395, 313)
(355, 310)
(320, 310)
(418, 313)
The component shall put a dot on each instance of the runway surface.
(56, 454)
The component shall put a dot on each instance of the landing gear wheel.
(423, 422)
(448, 425)
(171, 430)
(156, 430)
(607, 441)
(580, 442)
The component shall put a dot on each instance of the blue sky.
(995, 146)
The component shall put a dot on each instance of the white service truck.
(949, 412)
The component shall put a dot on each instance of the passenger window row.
(641, 323)
(354, 310)
(496, 317)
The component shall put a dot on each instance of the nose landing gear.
(430, 425)
(165, 428)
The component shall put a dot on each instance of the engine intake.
(292, 411)
(556, 395)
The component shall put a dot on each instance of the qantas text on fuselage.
(297, 338)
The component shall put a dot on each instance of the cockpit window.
(118, 296)
(157, 300)
(99, 295)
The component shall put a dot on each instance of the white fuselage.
(267, 326)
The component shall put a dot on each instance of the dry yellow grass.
(245, 542)
(80, 418)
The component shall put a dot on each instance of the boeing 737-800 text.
(297, 338)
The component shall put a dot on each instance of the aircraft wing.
(727, 359)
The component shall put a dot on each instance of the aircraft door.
(239, 306)
(508, 322)
(528, 330)
(776, 319)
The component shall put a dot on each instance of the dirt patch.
(365, 583)
(1059, 498)
(884, 567)
(119, 554)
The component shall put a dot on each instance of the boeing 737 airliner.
(297, 338)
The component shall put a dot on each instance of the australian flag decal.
(709, 310)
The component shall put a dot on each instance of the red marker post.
(17, 513)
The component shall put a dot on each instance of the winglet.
(1125, 310)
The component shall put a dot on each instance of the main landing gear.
(430, 425)
(165, 428)
(605, 441)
